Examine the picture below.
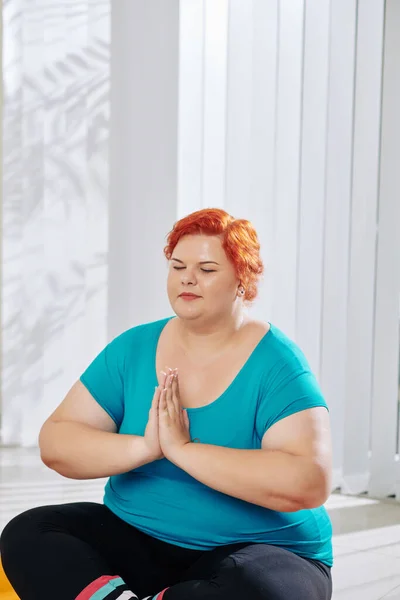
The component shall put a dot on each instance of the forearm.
(78, 451)
(272, 479)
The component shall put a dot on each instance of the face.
(201, 280)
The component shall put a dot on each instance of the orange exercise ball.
(6, 591)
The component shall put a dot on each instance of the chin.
(187, 313)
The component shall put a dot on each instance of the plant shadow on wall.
(55, 188)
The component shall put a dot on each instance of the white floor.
(366, 541)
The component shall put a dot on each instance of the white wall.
(143, 158)
(386, 350)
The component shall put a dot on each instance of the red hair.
(239, 240)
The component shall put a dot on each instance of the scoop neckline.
(239, 374)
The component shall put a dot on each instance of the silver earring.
(241, 291)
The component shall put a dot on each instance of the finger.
(175, 394)
(182, 418)
(168, 378)
(163, 378)
(168, 384)
(154, 402)
(156, 396)
(176, 382)
(162, 405)
(169, 399)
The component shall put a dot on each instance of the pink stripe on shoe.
(160, 596)
(95, 586)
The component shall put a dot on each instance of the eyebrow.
(204, 262)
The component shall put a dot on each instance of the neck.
(199, 336)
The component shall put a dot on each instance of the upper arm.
(105, 377)
(306, 433)
(307, 436)
(97, 398)
(293, 417)
(79, 406)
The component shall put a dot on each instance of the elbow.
(45, 445)
(314, 501)
(48, 459)
(48, 453)
(318, 492)
(52, 456)
(315, 487)
(45, 454)
(58, 466)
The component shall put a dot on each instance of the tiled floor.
(366, 541)
(366, 548)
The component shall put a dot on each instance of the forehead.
(200, 247)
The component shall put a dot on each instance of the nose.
(188, 277)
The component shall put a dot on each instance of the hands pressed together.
(167, 429)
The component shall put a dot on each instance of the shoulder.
(280, 348)
(280, 360)
(253, 331)
(140, 334)
(287, 384)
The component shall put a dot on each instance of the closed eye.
(204, 270)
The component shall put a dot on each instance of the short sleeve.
(293, 390)
(104, 378)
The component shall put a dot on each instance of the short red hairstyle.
(239, 240)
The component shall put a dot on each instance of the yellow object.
(6, 591)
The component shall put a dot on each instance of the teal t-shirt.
(163, 500)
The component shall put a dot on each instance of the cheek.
(171, 279)
(170, 282)
(216, 286)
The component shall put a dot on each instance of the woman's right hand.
(151, 437)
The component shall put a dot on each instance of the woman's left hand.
(173, 421)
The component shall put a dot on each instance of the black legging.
(54, 552)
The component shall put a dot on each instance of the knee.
(237, 579)
(233, 581)
(245, 581)
(20, 531)
(245, 577)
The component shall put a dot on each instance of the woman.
(215, 436)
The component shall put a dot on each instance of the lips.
(185, 295)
